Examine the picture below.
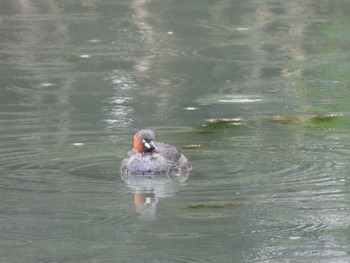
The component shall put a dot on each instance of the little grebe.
(151, 157)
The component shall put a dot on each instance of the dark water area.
(260, 88)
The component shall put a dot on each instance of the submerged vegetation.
(213, 205)
(225, 121)
(321, 118)
(191, 146)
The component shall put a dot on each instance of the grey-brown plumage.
(151, 157)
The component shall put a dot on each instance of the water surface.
(79, 79)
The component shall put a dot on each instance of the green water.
(79, 78)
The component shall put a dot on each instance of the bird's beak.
(150, 145)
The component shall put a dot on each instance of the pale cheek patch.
(146, 144)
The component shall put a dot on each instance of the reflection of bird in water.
(153, 170)
(145, 204)
(151, 157)
(149, 188)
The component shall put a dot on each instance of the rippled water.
(77, 79)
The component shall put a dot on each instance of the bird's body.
(150, 157)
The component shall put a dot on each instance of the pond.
(254, 93)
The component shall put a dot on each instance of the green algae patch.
(213, 205)
(225, 121)
(331, 120)
(320, 120)
(325, 117)
(221, 123)
(285, 119)
(191, 146)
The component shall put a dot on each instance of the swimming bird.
(151, 157)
